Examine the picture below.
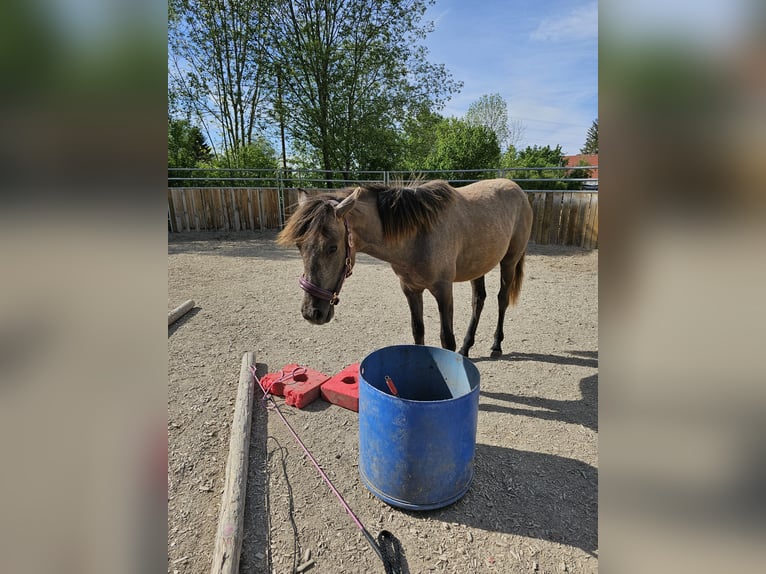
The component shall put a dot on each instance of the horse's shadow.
(580, 358)
(583, 411)
(529, 494)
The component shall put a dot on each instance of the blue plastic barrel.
(416, 448)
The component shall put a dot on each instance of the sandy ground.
(532, 506)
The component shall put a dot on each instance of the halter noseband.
(326, 294)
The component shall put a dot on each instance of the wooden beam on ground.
(228, 538)
(180, 311)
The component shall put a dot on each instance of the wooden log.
(228, 538)
(180, 311)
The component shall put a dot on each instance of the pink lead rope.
(387, 547)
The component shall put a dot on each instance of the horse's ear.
(347, 204)
(303, 196)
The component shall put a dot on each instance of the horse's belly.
(471, 272)
(477, 260)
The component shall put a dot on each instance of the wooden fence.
(564, 218)
(560, 217)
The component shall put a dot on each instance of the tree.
(418, 139)
(460, 146)
(351, 71)
(536, 156)
(491, 111)
(186, 144)
(591, 139)
(257, 155)
(218, 66)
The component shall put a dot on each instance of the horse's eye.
(332, 249)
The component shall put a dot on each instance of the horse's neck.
(369, 239)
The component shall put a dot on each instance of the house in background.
(585, 159)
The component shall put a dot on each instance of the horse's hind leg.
(415, 301)
(511, 276)
(477, 304)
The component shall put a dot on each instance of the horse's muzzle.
(317, 313)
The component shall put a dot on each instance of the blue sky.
(540, 56)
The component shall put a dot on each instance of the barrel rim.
(463, 358)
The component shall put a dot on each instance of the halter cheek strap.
(326, 294)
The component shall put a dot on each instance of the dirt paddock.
(532, 506)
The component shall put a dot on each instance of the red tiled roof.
(588, 158)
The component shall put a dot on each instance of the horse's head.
(320, 231)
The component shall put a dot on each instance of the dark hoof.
(463, 352)
(496, 354)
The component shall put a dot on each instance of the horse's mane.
(406, 210)
(402, 210)
(309, 218)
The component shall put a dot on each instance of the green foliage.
(536, 156)
(490, 111)
(460, 146)
(338, 76)
(418, 139)
(186, 144)
(350, 73)
(591, 139)
(258, 155)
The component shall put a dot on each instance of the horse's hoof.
(463, 352)
(496, 354)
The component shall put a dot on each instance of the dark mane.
(404, 210)
(310, 218)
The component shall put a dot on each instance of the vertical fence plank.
(250, 210)
(581, 215)
(291, 202)
(204, 214)
(553, 231)
(234, 210)
(532, 197)
(178, 199)
(209, 209)
(185, 211)
(572, 224)
(591, 239)
(540, 209)
(261, 223)
(547, 218)
(220, 210)
(536, 217)
(225, 204)
(566, 201)
(271, 208)
(242, 203)
(172, 212)
(577, 228)
(585, 218)
(193, 203)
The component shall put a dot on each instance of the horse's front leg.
(442, 292)
(415, 301)
(479, 295)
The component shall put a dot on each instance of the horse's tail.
(516, 280)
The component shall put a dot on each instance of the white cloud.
(580, 24)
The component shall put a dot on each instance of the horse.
(431, 234)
